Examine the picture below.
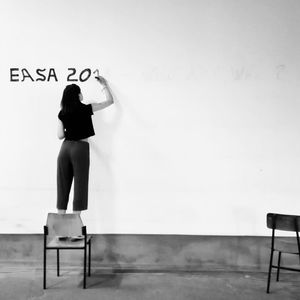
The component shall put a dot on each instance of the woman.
(75, 126)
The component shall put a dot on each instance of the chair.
(65, 232)
(286, 223)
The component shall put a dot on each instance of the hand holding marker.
(100, 79)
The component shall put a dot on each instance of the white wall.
(204, 137)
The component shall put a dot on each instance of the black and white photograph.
(150, 149)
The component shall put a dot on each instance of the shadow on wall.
(102, 149)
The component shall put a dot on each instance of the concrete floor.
(25, 282)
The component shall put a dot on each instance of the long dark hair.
(70, 99)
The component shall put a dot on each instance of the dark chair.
(65, 232)
(286, 223)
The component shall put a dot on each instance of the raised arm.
(106, 90)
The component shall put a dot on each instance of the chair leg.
(278, 265)
(57, 262)
(45, 258)
(84, 268)
(270, 271)
(89, 274)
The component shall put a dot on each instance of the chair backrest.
(64, 224)
(283, 222)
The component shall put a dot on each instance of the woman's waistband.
(78, 141)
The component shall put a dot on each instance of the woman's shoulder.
(79, 110)
(86, 108)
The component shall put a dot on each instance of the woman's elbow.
(60, 135)
(111, 101)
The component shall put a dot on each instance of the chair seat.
(286, 247)
(54, 242)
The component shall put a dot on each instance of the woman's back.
(78, 123)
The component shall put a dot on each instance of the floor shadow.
(104, 280)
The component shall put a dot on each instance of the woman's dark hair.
(70, 99)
